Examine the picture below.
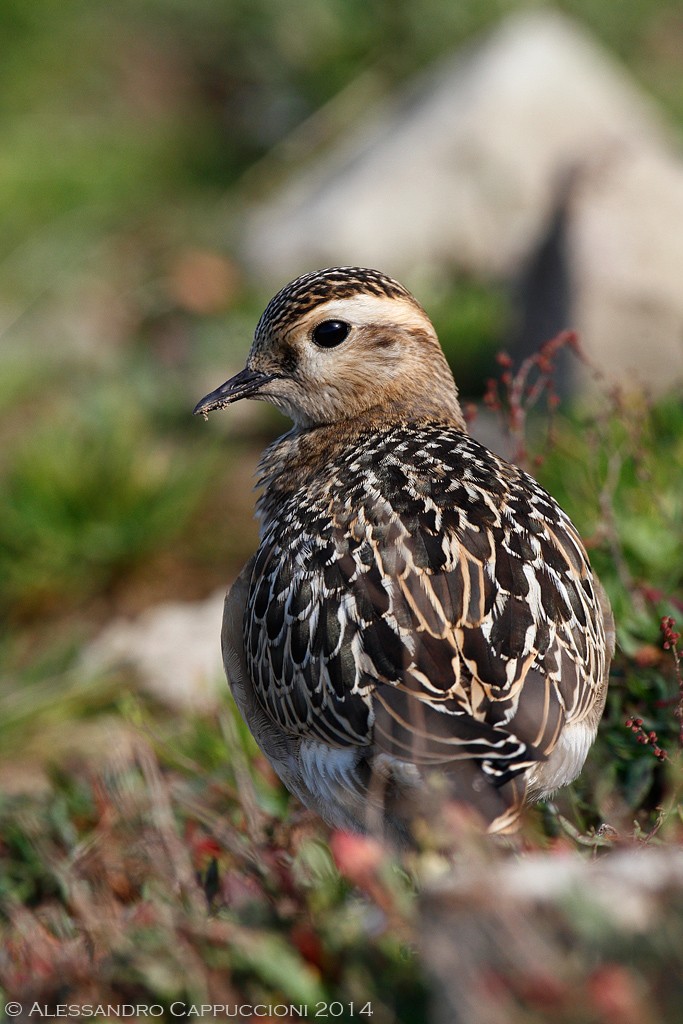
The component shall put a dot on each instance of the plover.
(418, 609)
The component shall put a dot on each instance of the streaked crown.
(319, 286)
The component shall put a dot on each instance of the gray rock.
(463, 170)
(504, 937)
(626, 247)
(173, 649)
(477, 170)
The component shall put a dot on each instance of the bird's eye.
(330, 333)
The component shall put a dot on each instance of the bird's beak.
(245, 384)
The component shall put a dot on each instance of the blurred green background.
(129, 137)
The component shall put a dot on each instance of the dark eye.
(330, 333)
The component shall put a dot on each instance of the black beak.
(245, 384)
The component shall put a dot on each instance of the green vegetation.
(155, 846)
(84, 499)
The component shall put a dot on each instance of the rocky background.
(165, 167)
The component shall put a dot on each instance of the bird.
(421, 616)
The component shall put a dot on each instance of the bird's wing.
(455, 619)
(276, 744)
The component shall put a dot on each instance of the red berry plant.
(609, 463)
(516, 392)
(670, 643)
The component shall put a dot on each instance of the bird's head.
(341, 343)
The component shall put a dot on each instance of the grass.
(613, 467)
(628, 456)
(83, 497)
(103, 870)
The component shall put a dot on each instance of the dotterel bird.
(417, 607)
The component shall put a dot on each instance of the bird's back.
(417, 603)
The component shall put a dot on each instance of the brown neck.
(426, 392)
(420, 408)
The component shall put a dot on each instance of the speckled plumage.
(417, 605)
